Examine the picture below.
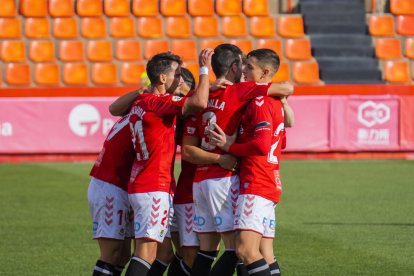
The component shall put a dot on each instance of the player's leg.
(165, 255)
(267, 243)
(175, 268)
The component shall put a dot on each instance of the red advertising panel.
(407, 122)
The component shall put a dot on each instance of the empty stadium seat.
(99, 50)
(153, 47)
(185, 48)
(93, 27)
(306, 72)
(46, 74)
(145, 7)
(228, 7)
(211, 43)
(89, 7)
(10, 28)
(262, 26)
(205, 26)
(290, 26)
(396, 71)
(194, 69)
(256, 7)
(150, 27)
(71, 50)
(60, 8)
(405, 25)
(12, 51)
(381, 25)
(282, 74)
(402, 7)
(65, 27)
(104, 73)
(409, 47)
(8, 8)
(75, 73)
(273, 44)
(246, 45)
(42, 51)
(388, 48)
(298, 49)
(201, 7)
(178, 26)
(128, 50)
(173, 7)
(116, 7)
(33, 8)
(37, 27)
(121, 27)
(17, 74)
(234, 26)
(131, 72)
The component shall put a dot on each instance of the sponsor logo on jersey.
(176, 98)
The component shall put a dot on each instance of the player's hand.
(220, 84)
(228, 162)
(219, 138)
(204, 58)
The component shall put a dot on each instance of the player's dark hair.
(266, 57)
(161, 64)
(188, 78)
(225, 55)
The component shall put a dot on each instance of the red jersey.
(260, 144)
(225, 108)
(184, 191)
(115, 160)
(152, 120)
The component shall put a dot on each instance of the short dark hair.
(188, 78)
(225, 55)
(266, 57)
(161, 64)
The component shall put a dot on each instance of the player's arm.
(280, 89)
(289, 114)
(122, 105)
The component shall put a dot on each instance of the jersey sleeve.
(167, 105)
(250, 90)
(190, 126)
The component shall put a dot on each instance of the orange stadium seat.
(104, 73)
(37, 27)
(145, 7)
(65, 27)
(234, 26)
(99, 50)
(153, 47)
(291, 26)
(262, 26)
(89, 7)
(201, 7)
(42, 50)
(178, 26)
(117, 7)
(194, 69)
(8, 8)
(185, 48)
(402, 7)
(173, 7)
(12, 51)
(273, 44)
(33, 8)
(131, 72)
(397, 71)
(211, 43)
(10, 28)
(256, 7)
(150, 27)
(122, 27)
(381, 25)
(409, 47)
(282, 74)
(298, 48)
(127, 50)
(75, 73)
(46, 74)
(17, 74)
(228, 7)
(305, 72)
(93, 27)
(205, 26)
(245, 45)
(388, 48)
(71, 50)
(405, 25)
(60, 8)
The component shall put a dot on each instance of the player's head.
(165, 69)
(226, 62)
(244, 64)
(189, 81)
(261, 65)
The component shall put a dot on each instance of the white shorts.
(150, 214)
(110, 211)
(215, 204)
(255, 213)
(184, 217)
(171, 226)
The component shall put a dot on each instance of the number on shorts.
(138, 137)
(209, 118)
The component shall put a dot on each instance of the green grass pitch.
(335, 218)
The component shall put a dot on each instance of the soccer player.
(215, 190)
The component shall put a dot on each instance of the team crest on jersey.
(191, 130)
(176, 98)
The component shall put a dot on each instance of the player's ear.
(162, 78)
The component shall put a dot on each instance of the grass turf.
(335, 218)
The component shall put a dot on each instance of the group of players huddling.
(231, 134)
